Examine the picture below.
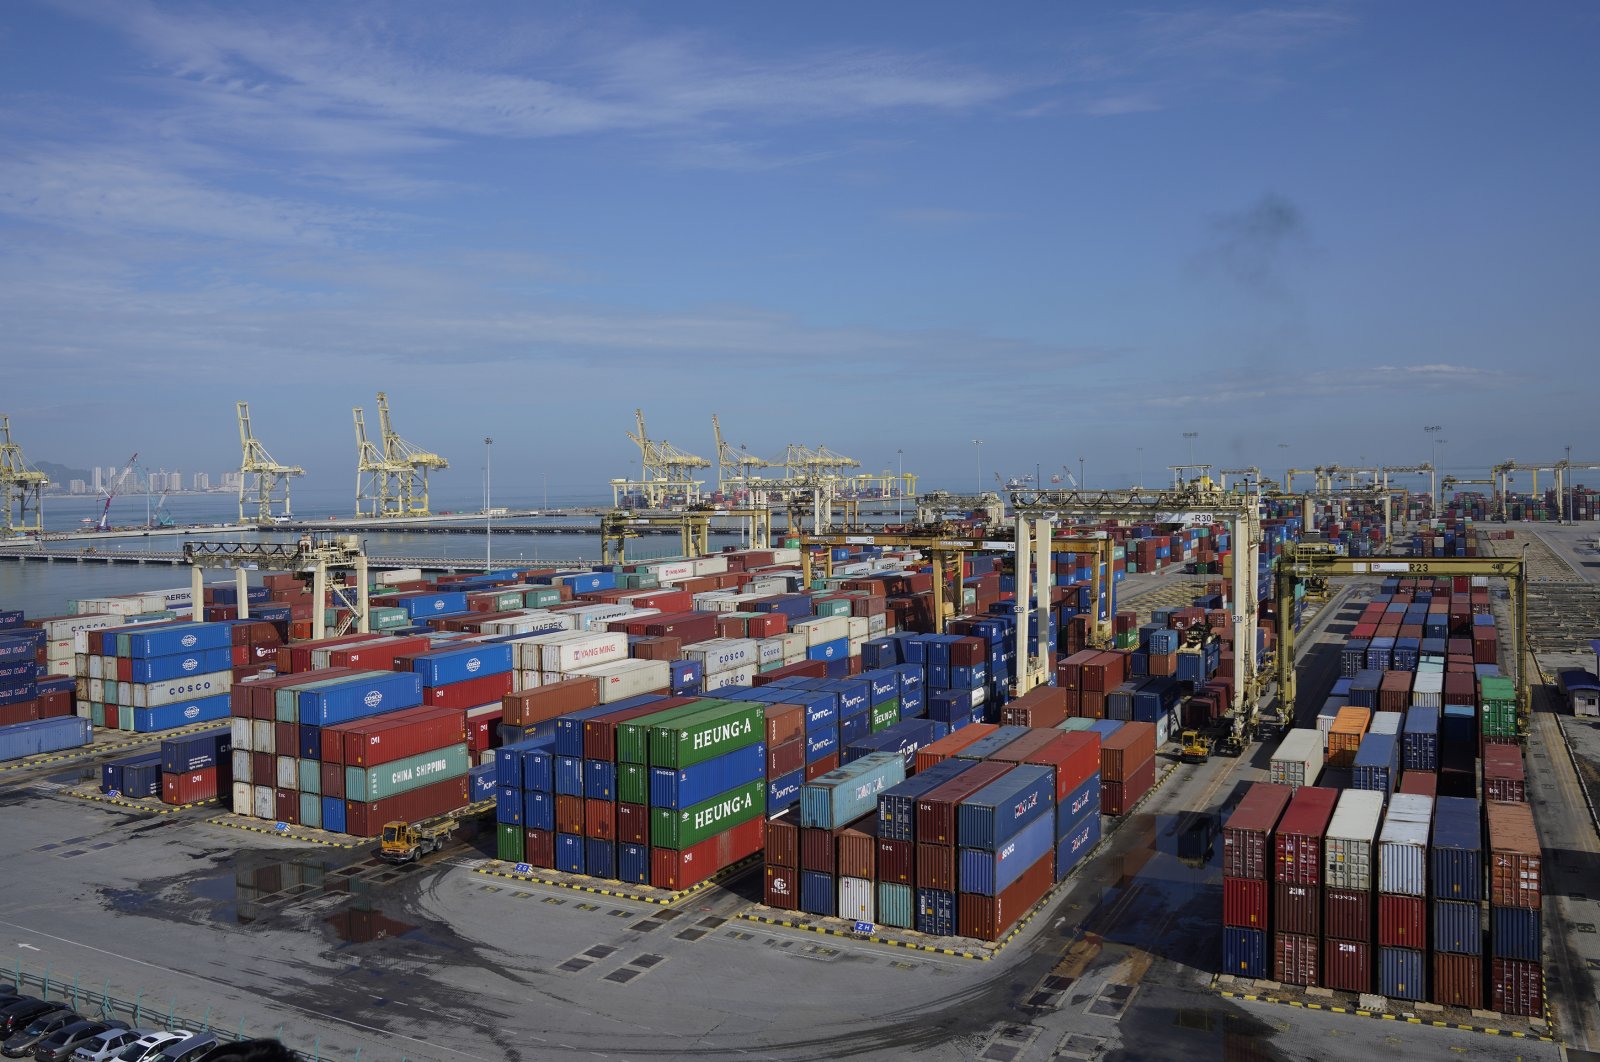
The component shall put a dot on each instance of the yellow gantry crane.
(263, 482)
(374, 477)
(409, 465)
(664, 469)
(741, 461)
(22, 487)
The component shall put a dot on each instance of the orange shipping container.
(1349, 727)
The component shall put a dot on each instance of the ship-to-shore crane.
(416, 462)
(263, 482)
(375, 477)
(734, 467)
(664, 470)
(21, 486)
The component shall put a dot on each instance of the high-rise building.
(78, 486)
(202, 481)
(99, 479)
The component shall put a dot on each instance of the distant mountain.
(62, 474)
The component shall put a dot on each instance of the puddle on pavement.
(362, 925)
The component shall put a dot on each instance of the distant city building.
(232, 480)
(99, 479)
(78, 486)
(202, 481)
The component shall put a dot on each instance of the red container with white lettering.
(676, 870)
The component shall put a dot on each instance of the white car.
(149, 1044)
(104, 1047)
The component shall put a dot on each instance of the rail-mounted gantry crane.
(263, 482)
(21, 486)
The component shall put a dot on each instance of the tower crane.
(375, 477)
(741, 461)
(262, 481)
(111, 491)
(22, 487)
(409, 465)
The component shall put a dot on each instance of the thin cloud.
(1433, 377)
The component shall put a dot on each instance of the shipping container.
(680, 829)
(1402, 973)
(1295, 959)
(1246, 846)
(990, 817)
(1403, 845)
(897, 806)
(1296, 908)
(1517, 987)
(367, 819)
(1123, 753)
(989, 872)
(1244, 952)
(1119, 798)
(1347, 965)
(846, 794)
(1457, 980)
(678, 869)
(1298, 759)
(1402, 921)
(1504, 774)
(1377, 762)
(1348, 846)
(1347, 914)
(990, 917)
(1456, 853)
(1297, 841)
(1516, 933)
(1458, 927)
(1515, 857)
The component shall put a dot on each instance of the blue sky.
(1068, 230)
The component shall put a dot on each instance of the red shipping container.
(652, 648)
(1118, 798)
(782, 891)
(286, 738)
(526, 707)
(1127, 751)
(989, 917)
(366, 820)
(819, 767)
(785, 722)
(858, 849)
(483, 727)
(1042, 706)
(1244, 903)
(666, 601)
(819, 850)
(1347, 965)
(333, 780)
(600, 819)
(1515, 857)
(633, 823)
(1517, 987)
(286, 804)
(803, 669)
(1457, 980)
(1402, 921)
(297, 658)
(1297, 842)
(380, 653)
(768, 625)
(1074, 755)
(1294, 959)
(569, 814)
(190, 787)
(469, 694)
(1246, 852)
(385, 738)
(936, 809)
(1420, 783)
(688, 627)
(677, 870)
(540, 850)
(53, 705)
(786, 758)
(1347, 914)
(952, 743)
(263, 767)
(20, 712)
(783, 840)
(897, 862)
(1296, 909)
(1069, 672)
(936, 867)
(1505, 777)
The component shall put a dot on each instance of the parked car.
(15, 1014)
(20, 1044)
(193, 1049)
(105, 1046)
(151, 1042)
(59, 1046)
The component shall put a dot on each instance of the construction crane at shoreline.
(262, 480)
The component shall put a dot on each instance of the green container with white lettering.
(680, 829)
(633, 783)
(366, 784)
(543, 597)
(510, 843)
(886, 714)
(706, 735)
(633, 735)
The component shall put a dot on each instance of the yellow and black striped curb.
(668, 900)
(289, 834)
(1379, 1015)
(145, 806)
(93, 749)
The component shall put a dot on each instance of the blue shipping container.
(1377, 765)
(1071, 849)
(844, 795)
(1244, 952)
(820, 743)
(1420, 739)
(693, 785)
(1455, 855)
(633, 863)
(333, 814)
(196, 752)
(172, 716)
(459, 665)
(421, 606)
(1516, 933)
(987, 873)
(897, 806)
(600, 858)
(1402, 973)
(817, 893)
(570, 853)
(936, 912)
(1082, 803)
(904, 738)
(997, 812)
(600, 780)
(371, 694)
(784, 793)
(508, 805)
(569, 775)
(112, 778)
(482, 785)
(164, 668)
(1458, 927)
(538, 809)
(985, 747)
(179, 638)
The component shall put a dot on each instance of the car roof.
(196, 1040)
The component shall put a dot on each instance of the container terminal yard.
(1219, 768)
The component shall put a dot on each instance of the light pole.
(1566, 488)
(1433, 431)
(1081, 485)
(978, 443)
(545, 476)
(1191, 436)
(1141, 467)
(488, 520)
(900, 485)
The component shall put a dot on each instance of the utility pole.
(978, 443)
(900, 485)
(488, 518)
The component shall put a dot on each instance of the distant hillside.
(62, 474)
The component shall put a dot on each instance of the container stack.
(1402, 897)
(1247, 868)
(197, 767)
(829, 808)
(1456, 875)
(1348, 877)
(1297, 845)
(1516, 881)
(160, 678)
(1006, 859)
(1127, 767)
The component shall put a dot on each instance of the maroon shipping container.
(263, 767)
(1420, 783)
(1118, 798)
(600, 735)
(469, 694)
(1246, 849)
(297, 658)
(1402, 921)
(1104, 673)
(541, 848)
(1505, 777)
(1042, 706)
(952, 743)
(804, 669)
(988, 917)
(386, 738)
(785, 722)
(1457, 980)
(1515, 858)
(858, 848)
(688, 627)
(782, 891)
(1394, 692)
(1294, 959)
(819, 850)
(1024, 746)
(286, 738)
(1073, 756)
(1347, 965)
(569, 814)
(1461, 687)
(600, 819)
(897, 862)
(333, 780)
(936, 809)
(525, 707)
(633, 823)
(287, 804)
(20, 712)
(366, 820)
(817, 768)
(1069, 672)
(675, 870)
(1517, 987)
(936, 867)
(1347, 914)
(190, 787)
(1244, 903)
(1297, 909)
(786, 758)
(1297, 842)
(1126, 751)
(783, 840)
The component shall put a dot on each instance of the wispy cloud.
(1369, 380)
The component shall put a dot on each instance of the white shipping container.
(704, 566)
(785, 555)
(671, 571)
(242, 764)
(525, 679)
(1298, 758)
(398, 575)
(1385, 723)
(716, 601)
(739, 676)
(821, 629)
(877, 625)
(528, 653)
(723, 654)
(288, 772)
(856, 899)
(533, 621)
(92, 666)
(595, 617)
(769, 651)
(1329, 712)
(621, 679)
(857, 646)
(242, 731)
(1427, 688)
(794, 646)
(241, 798)
(189, 688)
(851, 569)
(263, 738)
(577, 650)
(767, 586)
(264, 802)
(1347, 847)
(1403, 845)
(64, 628)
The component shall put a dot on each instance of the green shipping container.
(97, 714)
(833, 608)
(388, 619)
(706, 735)
(897, 905)
(512, 842)
(366, 784)
(1076, 723)
(508, 600)
(680, 829)
(541, 598)
(886, 714)
(633, 736)
(633, 783)
(641, 581)
(311, 777)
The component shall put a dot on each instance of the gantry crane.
(22, 486)
(1251, 476)
(375, 477)
(742, 461)
(1562, 486)
(1502, 473)
(936, 506)
(694, 529)
(262, 481)
(409, 465)
(822, 461)
(664, 470)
